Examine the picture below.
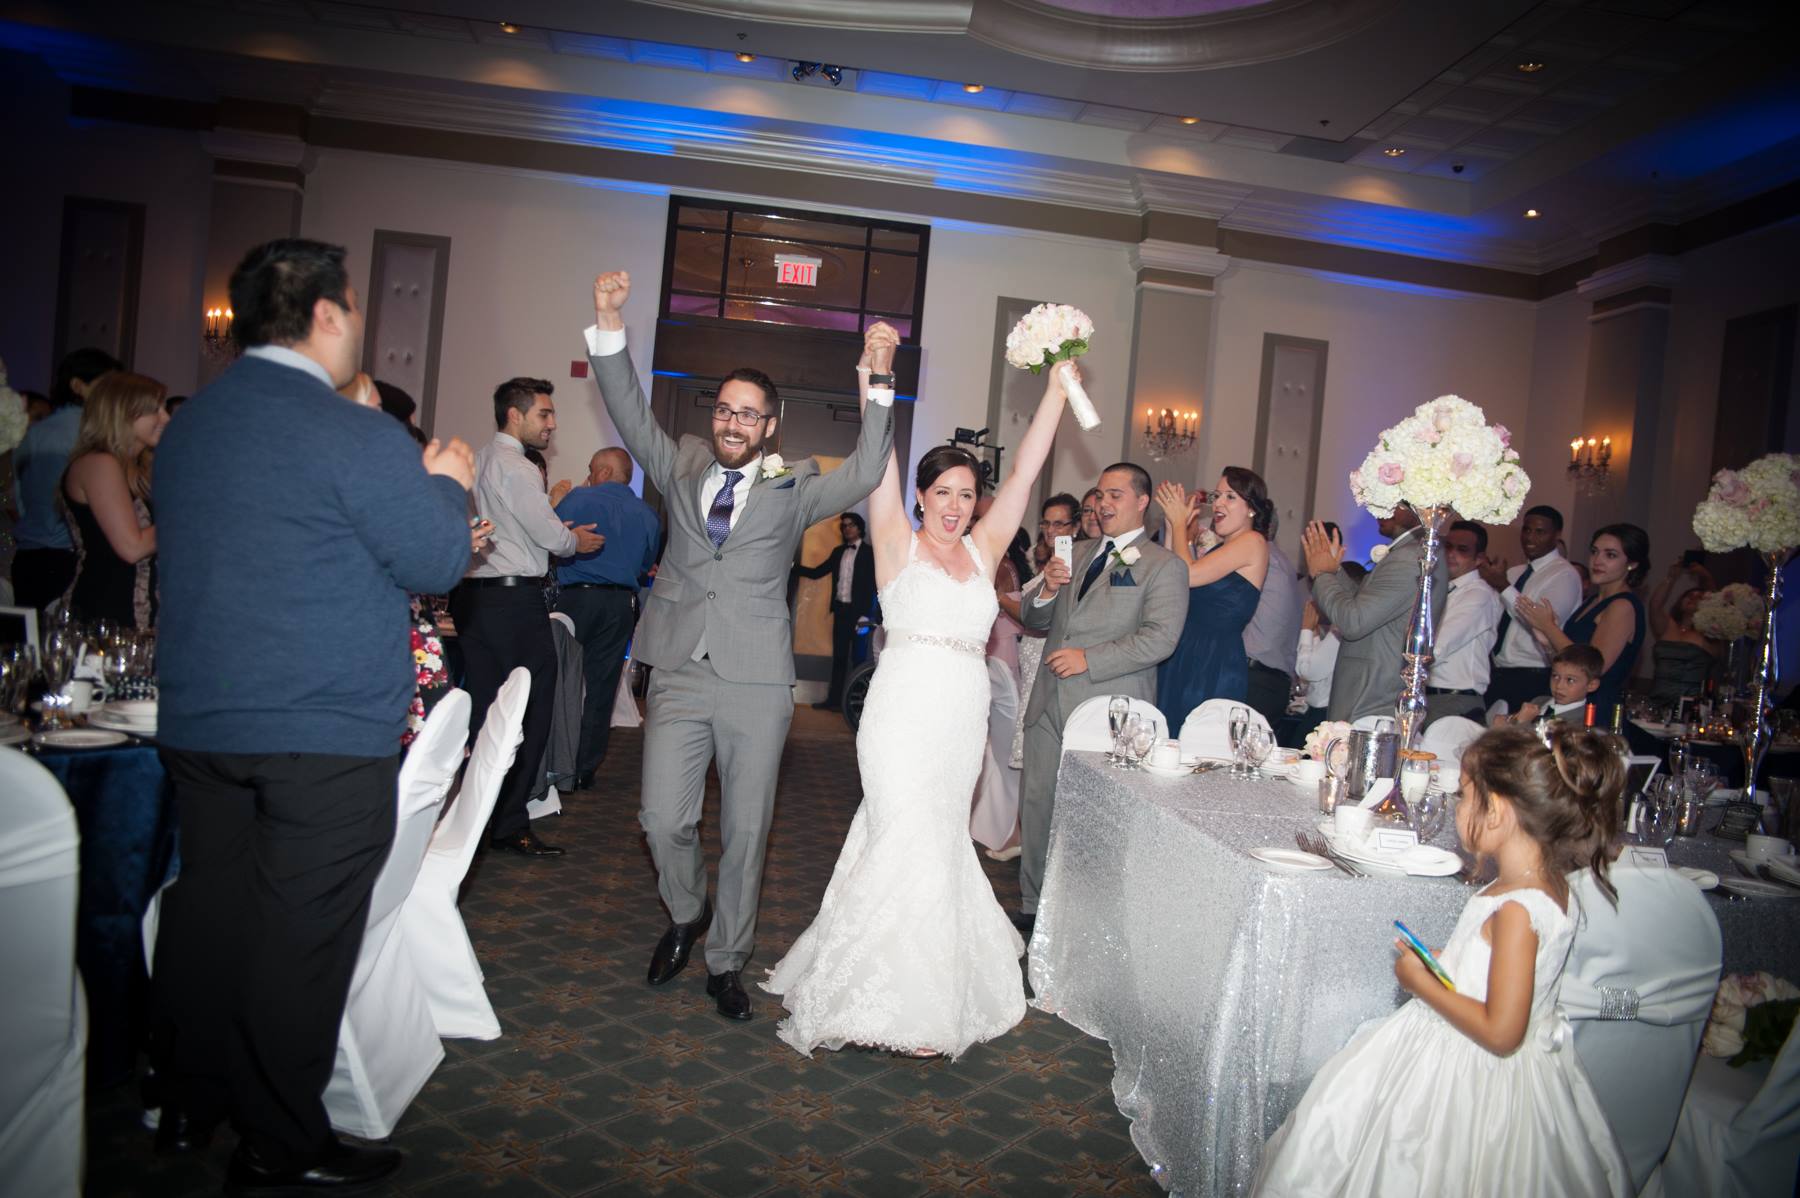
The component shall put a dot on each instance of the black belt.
(505, 580)
(598, 586)
(1257, 665)
(1438, 690)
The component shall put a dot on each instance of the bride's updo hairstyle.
(1566, 789)
(1255, 493)
(939, 460)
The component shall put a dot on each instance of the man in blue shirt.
(599, 591)
(44, 563)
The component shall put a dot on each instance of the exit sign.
(791, 270)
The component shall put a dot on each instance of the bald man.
(599, 591)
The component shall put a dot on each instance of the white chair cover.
(1498, 708)
(1207, 730)
(387, 1044)
(432, 927)
(1736, 1138)
(43, 1034)
(625, 713)
(1448, 737)
(995, 814)
(1087, 726)
(1637, 990)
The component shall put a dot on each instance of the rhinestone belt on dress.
(975, 648)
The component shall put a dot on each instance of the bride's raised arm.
(996, 530)
(889, 529)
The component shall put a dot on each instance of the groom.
(715, 628)
(1113, 618)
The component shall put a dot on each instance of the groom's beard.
(731, 456)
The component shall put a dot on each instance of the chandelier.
(1590, 464)
(1168, 433)
(215, 335)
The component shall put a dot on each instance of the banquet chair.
(1447, 738)
(1088, 728)
(388, 1046)
(1496, 709)
(432, 927)
(1637, 990)
(1207, 730)
(43, 1036)
(1737, 1137)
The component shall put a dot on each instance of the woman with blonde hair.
(106, 492)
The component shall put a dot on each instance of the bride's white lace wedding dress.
(910, 949)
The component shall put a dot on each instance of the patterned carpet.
(602, 1085)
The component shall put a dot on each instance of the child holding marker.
(1466, 1090)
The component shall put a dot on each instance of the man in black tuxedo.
(851, 566)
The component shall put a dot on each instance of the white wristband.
(882, 395)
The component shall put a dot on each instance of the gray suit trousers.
(694, 716)
(1037, 801)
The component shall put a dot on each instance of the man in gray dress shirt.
(1272, 638)
(499, 610)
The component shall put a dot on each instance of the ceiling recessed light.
(1532, 214)
(745, 56)
(1394, 151)
(1531, 68)
(1190, 120)
(508, 27)
(974, 89)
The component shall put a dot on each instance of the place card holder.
(1740, 819)
(1645, 856)
(1393, 839)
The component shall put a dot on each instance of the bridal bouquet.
(1052, 333)
(1732, 612)
(1445, 454)
(1758, 507)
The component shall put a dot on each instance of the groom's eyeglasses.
(744, 416)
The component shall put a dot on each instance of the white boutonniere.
(1377, 553)
(1125, 558)
(774, 467)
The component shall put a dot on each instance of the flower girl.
(1465, 1091)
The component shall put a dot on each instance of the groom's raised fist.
(611, 290)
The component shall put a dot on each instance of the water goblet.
(1128, 730)
(1142, 742)
(1415, 778)
(1239, 723)
(1425, 813)
(1256, 746)
(1117, 708)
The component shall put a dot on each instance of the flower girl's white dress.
(1413, 1106)
(910, 949)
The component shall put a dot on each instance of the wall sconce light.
(1168, 433)
(215, 335)
(1590, 463)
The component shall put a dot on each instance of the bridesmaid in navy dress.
(1613, 621)
(1225, 584)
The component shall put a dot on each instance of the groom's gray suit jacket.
(736, 594)
(1371, 621)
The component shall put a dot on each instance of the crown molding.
(272, 149)
(1365, 226)
(1179, 257)
(1650, 270)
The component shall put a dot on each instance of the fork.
(1318, 848)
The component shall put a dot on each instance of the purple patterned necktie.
(718, 520)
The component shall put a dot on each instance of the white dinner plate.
(1786, 868)
(79, 738)
(1290, 861)
(132, 709)
(1419, 860)
(1757, 888)
(1705, 879)
(1168, 771)
(103, 719)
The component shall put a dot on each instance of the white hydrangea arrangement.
(1729, 613)
(1445, 454)
(1757, 507)
(13, 420)
(1052, 333)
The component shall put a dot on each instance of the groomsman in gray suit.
(716, 630)
(1113, 615)
(1370, 619)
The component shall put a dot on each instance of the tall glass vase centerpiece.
(1442, 462)
(1756, 508)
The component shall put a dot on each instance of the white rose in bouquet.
(1757, 507)
(1052, 333)
(1445, 454)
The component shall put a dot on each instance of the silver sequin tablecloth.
(1221, 985)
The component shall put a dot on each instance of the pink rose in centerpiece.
(1391, 474)
(1732, 489)
(1509, 486)
(1460, 463)
(1505, 435)
(1430, 434)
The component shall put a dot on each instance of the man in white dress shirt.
(1465, 636)
(1521, 666)
(501, 620)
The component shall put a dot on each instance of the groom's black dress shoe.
(671, 954)
(525, 845)
(733, 1002)
(179, 1133)
(340, 1169)
(1025, 923)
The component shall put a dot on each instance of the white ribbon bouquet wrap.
(1050, 334)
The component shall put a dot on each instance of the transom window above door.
(779, 266)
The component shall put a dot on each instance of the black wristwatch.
(881, 380)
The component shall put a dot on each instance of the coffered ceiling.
(1415, 125)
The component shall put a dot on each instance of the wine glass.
(1415, 779)
(1117, 708)
(1256, 746)
(1425, 813)
(1128, 731)
(1142, 741)
(115, 667)
(1240, 722)
(58, 663)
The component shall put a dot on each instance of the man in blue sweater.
(291, 524)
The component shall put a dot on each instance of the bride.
(910, 950)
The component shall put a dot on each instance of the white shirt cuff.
(1042, 601)
(882, 395)
(603, 343)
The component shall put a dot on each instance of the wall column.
(1171, 349)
